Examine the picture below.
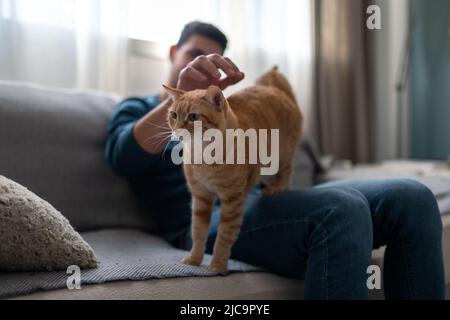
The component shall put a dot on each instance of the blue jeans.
(325, 235)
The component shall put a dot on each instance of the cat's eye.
(173, 115)
(192, 117)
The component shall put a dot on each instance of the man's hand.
(152, 130)
(203, 72)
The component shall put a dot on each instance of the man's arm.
(124, 153)
(152, 131)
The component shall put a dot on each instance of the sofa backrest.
(52, 142)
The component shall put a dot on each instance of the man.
(324, 235)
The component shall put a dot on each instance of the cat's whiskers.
(165, 127)
(158, 140)
(163, 135)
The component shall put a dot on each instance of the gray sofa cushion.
(34, 236)
(52, 141)
(236, 286)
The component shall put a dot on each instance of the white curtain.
(264, 33)
(83, 43)
(65, 43)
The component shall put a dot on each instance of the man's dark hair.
(203, 29)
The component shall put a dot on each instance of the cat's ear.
(215, 97)
(173, 93)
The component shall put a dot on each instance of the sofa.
(52, 142)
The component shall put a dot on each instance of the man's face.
(196, 45)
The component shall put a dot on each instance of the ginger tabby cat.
(270, 104)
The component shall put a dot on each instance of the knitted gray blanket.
(123, 254)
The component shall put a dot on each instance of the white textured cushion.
(34, 236)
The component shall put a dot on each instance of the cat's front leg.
(232, 212)
(202, 204)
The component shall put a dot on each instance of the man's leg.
(321, 235)
(406, 218)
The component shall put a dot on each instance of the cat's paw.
(193, 261)
(217, 267)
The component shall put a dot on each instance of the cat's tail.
(275, 78)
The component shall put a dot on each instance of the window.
(162, 21)
(55, 13)
(152, 20)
